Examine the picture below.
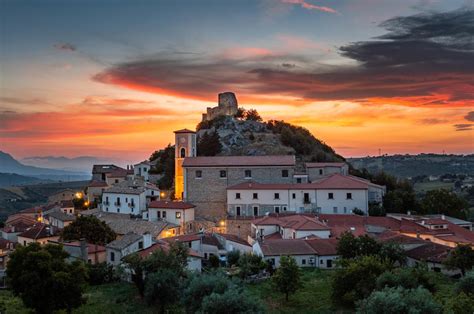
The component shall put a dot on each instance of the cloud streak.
(65, 47)
(422, 60)
(310, 6)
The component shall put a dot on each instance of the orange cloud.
(309, 6)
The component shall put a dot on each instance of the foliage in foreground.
(89, 228)
(42, 278)
(287, 277)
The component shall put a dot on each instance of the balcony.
(117, 204)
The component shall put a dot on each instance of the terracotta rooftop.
(170, 205)
(234, 238)
(104, 168)
(163, 246)
(95, 183)
(60, 215)
(431, 252)
(323, 246)
(286, 247)
(91, 248)
(239, 161)
(339, 181)
(125, 241)
(184, 238)
(67, 204)
(39, 231)
(296, 222)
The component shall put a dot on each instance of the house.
(433, 255)
(335, 194)
(178, 213)
(38, 233)
(126, 245)
(67, 207)
(87, 252)
(100, 172)
(63, 195)
(233, 243)
(15, 225)
(320, 253)
(6, 247)
(194, 260)
(123, 224)
(94, 190)
(318, 170)
(127, 197)
(142, 169)
(59, 219)
(289, 227)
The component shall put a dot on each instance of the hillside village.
(271, 206)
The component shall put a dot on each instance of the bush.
(232, 301)
(461, 303)
(287, 277)
(214, 261)
(233, 257)
(100, 274)
(162, 289)
(466, 284)
(250, 264)
(399, 301)
(357, 280)
(408, 278)
(202, 285)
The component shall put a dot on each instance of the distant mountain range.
(81, 164)
(9, 165)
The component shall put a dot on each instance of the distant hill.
(8, 164)
(415, 165)
(76, 164)
(10, 179)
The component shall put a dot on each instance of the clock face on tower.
(182, 140)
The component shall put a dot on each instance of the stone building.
(206, 179)
(227, 106)
(185, 146)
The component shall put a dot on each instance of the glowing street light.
(78, 195)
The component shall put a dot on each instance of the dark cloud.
(464, 126)
(469, 116)
(65, 47)
(429, 56)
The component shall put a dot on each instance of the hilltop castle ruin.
(227, 106)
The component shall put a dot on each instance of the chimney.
(443, 217)
(408, 213)
(83, 244)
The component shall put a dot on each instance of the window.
(140, 245)
(237, 210)
(294, 235)
(198, 173)
(284, 208)
(303, 262)
(293, 196)
(284, 173)
(272, 261)
(334, 209)
(237, 196)
(118, 210)
(255, 196)
(164, 214)
(306, 198)
(126, 200)
(321, 172)
(277, 209)
(277, 196)
(112, 256)
(345, 210)
(182, 153)
(190, 244)
(158, 214)
(116, 180)
(223, 174)
(152, 192)
(255, 210)
(321, 261)
(205, 255)
(298, 180)
(178, 215)
(118, 201)
(331, 196)
(248, 173)
(349, 196)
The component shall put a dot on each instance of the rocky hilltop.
(240, 136)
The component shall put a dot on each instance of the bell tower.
(185, 146)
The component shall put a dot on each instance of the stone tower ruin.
(227, 106)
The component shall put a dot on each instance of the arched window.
(182, 152)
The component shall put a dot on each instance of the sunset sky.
(114, 78)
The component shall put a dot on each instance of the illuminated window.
(178, 215)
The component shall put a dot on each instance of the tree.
(100, 273)
(202, 285)
(399, 301)
(357, 280)
(253, 115)
(164, 166)
(135, 264)
(89, 228)
(176, 259)
(233, 257)
(240, 114)
(399, 201)
(460, 303)
(462, 257)
(393, 252)
(209, 144)
(250, 264)
(42, 278)
(408, 278)
(287, 277)
(445, 202)
(162, 289)
(466, 284)
(232, 301)
(351, 247)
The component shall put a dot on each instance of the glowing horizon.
(399, 78)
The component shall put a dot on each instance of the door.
(237, 209)
(255, 211)
(329, 263)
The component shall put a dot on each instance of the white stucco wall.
(359, 200)
(139, 201)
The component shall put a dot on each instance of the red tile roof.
(323, 246)
(286, 247)
(234, 238)
(67, 204)
(40, 231)
(32, 210)
(324, 164)
(170, 205)
(184, 131)
(6, 244)
(238, 161)
(91, 248)
(339, 181)
(163, 246)
(94, 184)
(431, 252)
(184, 238)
